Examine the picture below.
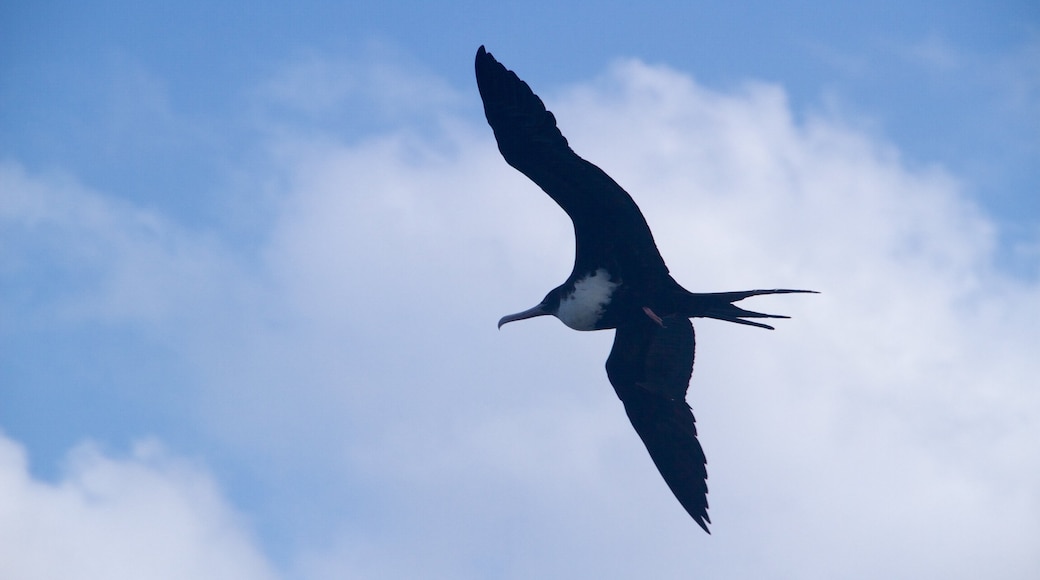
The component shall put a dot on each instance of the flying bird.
(619, 281)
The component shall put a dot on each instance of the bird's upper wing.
(650, 367)
(608, 225)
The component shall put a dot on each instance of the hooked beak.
(539, 310)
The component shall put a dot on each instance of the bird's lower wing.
(650, 368)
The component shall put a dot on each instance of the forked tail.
(719, 305)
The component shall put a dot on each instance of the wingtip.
(484, 64)
(483, 54)
(703, 520)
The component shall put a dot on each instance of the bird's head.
(549, 306)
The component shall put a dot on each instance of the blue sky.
(252, 258)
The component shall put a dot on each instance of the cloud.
(311, 83)
(392, 431)
(378, 91)
(146, 516)
(934, 53)
(89, 257)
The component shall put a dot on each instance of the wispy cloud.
(933, 53)
(377, 90)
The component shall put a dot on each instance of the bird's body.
(619, 280)
(584, 307)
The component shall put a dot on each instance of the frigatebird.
(619, 281)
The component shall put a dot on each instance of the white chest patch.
(582, 308)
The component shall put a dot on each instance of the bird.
(619, 281)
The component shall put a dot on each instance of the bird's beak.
(539, 310)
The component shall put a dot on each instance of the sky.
(252, 258)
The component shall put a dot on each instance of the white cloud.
(146, 516)
(94, 258)
(886, 431)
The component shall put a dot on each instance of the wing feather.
(608, 226)
(650, 368)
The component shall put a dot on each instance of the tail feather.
(719, 305)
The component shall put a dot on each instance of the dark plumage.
(619, 281)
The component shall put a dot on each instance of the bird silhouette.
(619, 281)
